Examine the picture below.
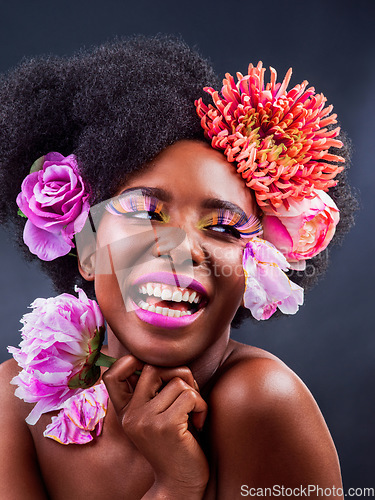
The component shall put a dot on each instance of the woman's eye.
(226, 229)
(144, 214)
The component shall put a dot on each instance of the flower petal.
(267, 286)
(61, 339)
(47, 246)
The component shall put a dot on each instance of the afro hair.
(115, 107)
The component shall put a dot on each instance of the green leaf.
(104, 360)
(37, 165)
(19, 212)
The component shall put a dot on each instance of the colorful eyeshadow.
(246, 227)
(136, 203)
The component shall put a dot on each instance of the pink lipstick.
(167, 300)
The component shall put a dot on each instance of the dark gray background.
(330, 343)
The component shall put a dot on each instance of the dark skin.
(207, 415)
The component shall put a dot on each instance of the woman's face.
(169, 275)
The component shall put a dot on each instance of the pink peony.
(267, 286)
(62, 338)
(54, 199)
(82, 414)
(303, 230)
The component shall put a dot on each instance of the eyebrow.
(224, 205)
(215, 203)
(159, 193)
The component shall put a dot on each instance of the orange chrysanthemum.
(279, 141)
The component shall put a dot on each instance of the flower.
(267, 286)
(80, 415)
(54, 199)
(62, 338)
(304, 230)
(279, 140)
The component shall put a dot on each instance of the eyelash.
(137, 204)
(238, 225)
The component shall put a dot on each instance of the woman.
(163, 228)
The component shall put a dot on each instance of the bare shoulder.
(19, 473)
(265, 426)
(13, 410)
(8, 370)
(253, 379)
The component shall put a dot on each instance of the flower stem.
(104, 360)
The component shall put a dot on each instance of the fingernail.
(196, 386)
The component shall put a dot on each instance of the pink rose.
(303, 230)
(54, 200)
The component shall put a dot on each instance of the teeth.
(177, 296)
(169, 292)
(165, 311)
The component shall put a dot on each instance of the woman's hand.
(155, 416)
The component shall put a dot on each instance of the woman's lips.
(174, 301)
(161, 321)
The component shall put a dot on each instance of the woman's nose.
(175, 243)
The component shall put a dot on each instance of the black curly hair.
(115, 107)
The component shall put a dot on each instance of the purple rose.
(54, 200)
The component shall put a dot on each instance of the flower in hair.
(59, 351)
(304, 230)
(279, 140)
(267, 285)
(53, 197)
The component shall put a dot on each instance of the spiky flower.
(278, 140)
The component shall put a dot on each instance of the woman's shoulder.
(19, 474)
(8, 370)
(253, 383)
(15, 407)
(264, 420)
(252, 372)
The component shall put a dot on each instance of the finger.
(116, 380)
(152, 379)
(168, 395)
(188, 401)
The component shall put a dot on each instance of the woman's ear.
(87, 267)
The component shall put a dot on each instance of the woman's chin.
(158, 357)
